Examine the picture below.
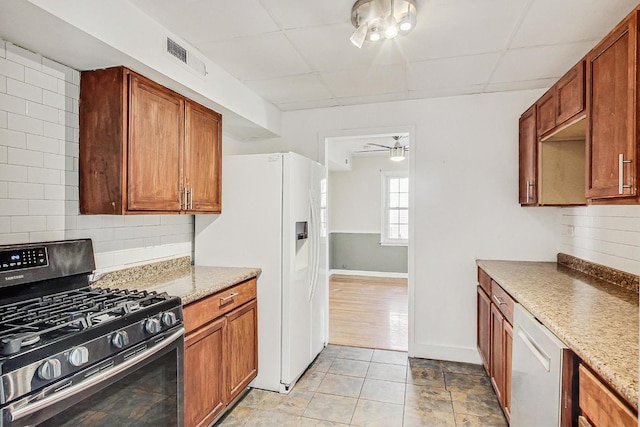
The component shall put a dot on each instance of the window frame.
(385, 240)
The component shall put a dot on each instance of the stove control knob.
(169, 319)
(120, 339)
(152, 326)
(78, 356)
(49, 370)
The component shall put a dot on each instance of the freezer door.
(319, 281)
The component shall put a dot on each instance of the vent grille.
(176, 50)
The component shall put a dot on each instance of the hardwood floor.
(368, 312)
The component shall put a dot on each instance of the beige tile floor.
(349, 386)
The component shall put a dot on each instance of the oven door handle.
(16, 414)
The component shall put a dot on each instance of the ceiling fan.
(397, 152)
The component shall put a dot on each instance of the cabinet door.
(204, 380)
(508, 346)
(154, 152)
(242, 348)
(484, 328)
(497, 352)
(528, 153)
(203, 144)
(546, 111)
(570, 94)
(611, 97)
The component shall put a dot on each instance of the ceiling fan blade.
(370, 151)
(378, 145)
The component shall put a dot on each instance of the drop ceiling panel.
(289, 14)
(447, 29)
(257, 57)
(521, 85)
(541, 62)
(328, 48)
(290, 89)
(551, 22)
(205, 20)
(365, 81)
(461, 71)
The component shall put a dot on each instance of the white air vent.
(183, 55)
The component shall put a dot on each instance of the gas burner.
(13, 343)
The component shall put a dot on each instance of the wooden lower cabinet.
(484, 328)
(497, 352)
(598, 405)
(221, 351)
(204, 353)
(508, 349)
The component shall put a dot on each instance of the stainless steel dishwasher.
(536, 387)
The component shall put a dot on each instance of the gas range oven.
(75, 355)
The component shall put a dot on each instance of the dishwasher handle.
(542, 357)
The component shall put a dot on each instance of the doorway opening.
(368, 224)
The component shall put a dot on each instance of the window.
(395, 215)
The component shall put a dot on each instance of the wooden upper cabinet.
(570, 94)
(612, 96)
(154, 155)
(546, 111)
(528, 153)
(145, 148)
(203, 155)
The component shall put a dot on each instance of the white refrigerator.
(274, 217)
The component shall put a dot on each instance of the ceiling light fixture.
(397, 152)
(374, 19)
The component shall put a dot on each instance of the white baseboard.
(370, 273)
(452, 354)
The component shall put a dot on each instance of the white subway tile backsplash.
(4, 120)
(3, 84)
(72, 192)
(24, 90)
(54, 130)
(70, 149)
(5, 224)
(25, 124)
(21, 190)
(24, 224)
(71, 178)
(54, 161)
(11, 207)
(40, 79)
(71, 120)
(55, 192)
(70, 222)
(112, 220)
(46, 207)
(23, 56)
(42, 112)
(72, 207)
(3, 154)
(53, 99)
(3, 51)
(12, 69)
(43, 236)
(56, 223)
(57, 70)
(18, 156)
(4, 191)
(68, 89)
(133, 220)
(13, 173)
(84, 222)
(13, 104)
(13, 238)
(44, 176)
(43, 144)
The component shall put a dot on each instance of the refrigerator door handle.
(315, 247)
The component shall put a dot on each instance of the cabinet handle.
(184, 197)
(621, 184)
(528, 186)
(191, 198)
(498, 300)
(228, 297)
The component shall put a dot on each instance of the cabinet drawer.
(502, 300)
(484, 281)
(213, 306)
(599, 404)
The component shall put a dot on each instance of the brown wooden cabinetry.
(528, 153)
(612, 132)
(495, 336)
(145, 148)
(221, 351)
(598, 405)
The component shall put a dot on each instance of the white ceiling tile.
(205, 20)
(307, 105)
(327, 48)
(465, 27)
(369, 99)
(521, 85)
(291, 14)
(541, 62)
(257, 57)
(551, 22)
(437, 92)
(451, 72)
(305, 87)
(365, 81)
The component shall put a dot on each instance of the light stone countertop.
(597, 320)
(190, 283)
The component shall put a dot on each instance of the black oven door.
(142, 386)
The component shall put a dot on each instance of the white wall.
(39, 171)
(465, 182)
(355, 196)
(608, 235)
